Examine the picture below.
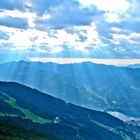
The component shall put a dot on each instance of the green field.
(28, 114)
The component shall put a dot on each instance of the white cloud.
(15, 13)
(93, 39)
(115, 29)
(42, 42)
(81, 23)
(134, 35)
(132, 38)
(112, 17)
(108, 5)
(124, 36)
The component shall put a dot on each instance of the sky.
(116, 62)
(103, 29)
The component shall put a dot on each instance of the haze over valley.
(69, 70)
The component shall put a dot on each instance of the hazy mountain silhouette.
(94, 86)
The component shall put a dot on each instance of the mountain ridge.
(65, 118)
(94, 86)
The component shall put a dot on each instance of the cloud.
(42, 6)
(68, 14)
(130, 25)
(71, 28)
(12, 4)
(134, 8)
(15, 22)
(4, 35)
(108, 5)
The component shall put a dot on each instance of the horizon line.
(107, 61)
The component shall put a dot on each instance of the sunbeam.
(69, 70)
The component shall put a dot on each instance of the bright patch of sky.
(75, 28)
(108, 5)
(116, 62)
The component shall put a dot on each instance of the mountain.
(11, 130)
(95, 86)
(134, 66)
(26, 113)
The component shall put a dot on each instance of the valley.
(94, 86)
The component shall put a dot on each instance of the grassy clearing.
(125, 137)
(28, 114)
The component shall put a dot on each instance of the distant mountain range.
(26, 113)
(90, 85)
(134, 66)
